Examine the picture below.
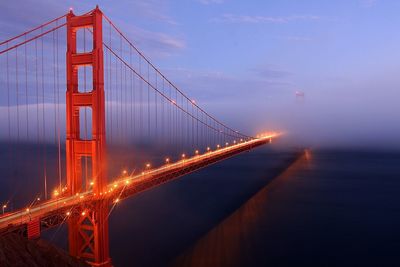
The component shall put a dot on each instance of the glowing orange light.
(38, 199)
(183, 155)
(116, 200)
(27, 209)
(83, 213)
(208, 148)
(218, 146)
(197, 152)
(124, 172)
(148, 165)
(226, 143)
(4, 206)
(167, 160)
(68, 213)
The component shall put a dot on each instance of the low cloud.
(214, 86)
(296, 38)
(368, 3)
(154, 9)
(270, 72)
(208, 2)
(232, 18)
(156, 44)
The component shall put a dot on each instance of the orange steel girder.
(88, 231)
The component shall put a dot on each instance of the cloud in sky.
(217, 86)
(208, 2)
(154, 9)
(368, 3)
(154, 43)
(150, 26)
(250, 19)
(270, 72)
(296, 38)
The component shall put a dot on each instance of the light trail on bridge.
(127, 186)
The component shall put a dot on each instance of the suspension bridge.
(102, 123)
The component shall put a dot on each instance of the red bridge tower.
(87, 230)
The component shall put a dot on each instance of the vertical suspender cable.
(110, 90)
(17, 90)
(141, 100)
(120, 103)
(26, 92)
(131, 95)
(8, 101)
(148, 100)
(155, 101)
(58, 113)
(44, 121)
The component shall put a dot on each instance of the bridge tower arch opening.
(88, 228)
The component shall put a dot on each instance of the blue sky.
(244, 60)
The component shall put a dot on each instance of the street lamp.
(147, 167)
(4, 207)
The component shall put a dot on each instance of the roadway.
(123, 187)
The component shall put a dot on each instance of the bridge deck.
(55, 211)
